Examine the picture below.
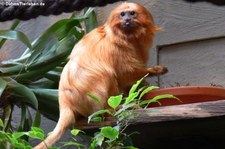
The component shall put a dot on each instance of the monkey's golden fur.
(107, 61)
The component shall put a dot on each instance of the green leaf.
(87, 13)
(37, 120)
(98, 113)
(75, 132)
(93, 144)
(114, 101)
(36, 74)
(60, 29)
(43, 50)
(3, 136)
(12, 62)
(16, 22)
(97, 119)
(131, 97)
(16, 35)
(23, 93)
(157, 98)
(43, 83)
(22, 118)
(53, 75)
(7, 116)
(94, 97)
(10, 70)
(13, 26)
(36, 133)
(18, 134)
(91, 21)
(109, 132)
(44, 55)
(72, 144)
(48, 102)
(147, 90)
(136, 85)
(3, 85)
(1, 123)
(29, 119)
(36, 129)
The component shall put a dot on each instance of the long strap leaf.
(24, 93)
(15, 35)
(3, 85)
(14, 25)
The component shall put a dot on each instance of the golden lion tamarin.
(106, 62)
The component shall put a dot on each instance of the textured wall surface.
(194, 63)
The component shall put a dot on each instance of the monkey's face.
(128, 20)
(131, 18)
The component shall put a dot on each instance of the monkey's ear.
(157, 29)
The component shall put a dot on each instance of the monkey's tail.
(66, 119)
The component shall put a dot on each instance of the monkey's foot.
(157, 70)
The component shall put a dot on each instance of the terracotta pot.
(187, 94)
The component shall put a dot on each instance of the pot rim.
(193, 90)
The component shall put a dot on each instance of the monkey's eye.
(132, 13)
(122, 14)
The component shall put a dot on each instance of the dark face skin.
(127, 17)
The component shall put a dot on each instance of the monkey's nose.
(127, 22)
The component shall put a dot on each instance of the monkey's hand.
(157, 70)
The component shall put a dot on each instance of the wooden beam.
(167, 113)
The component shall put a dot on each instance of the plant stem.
(7, 117)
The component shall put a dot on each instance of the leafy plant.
(123, 112)
(16, 139)
(31, 80)
(110, 137)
